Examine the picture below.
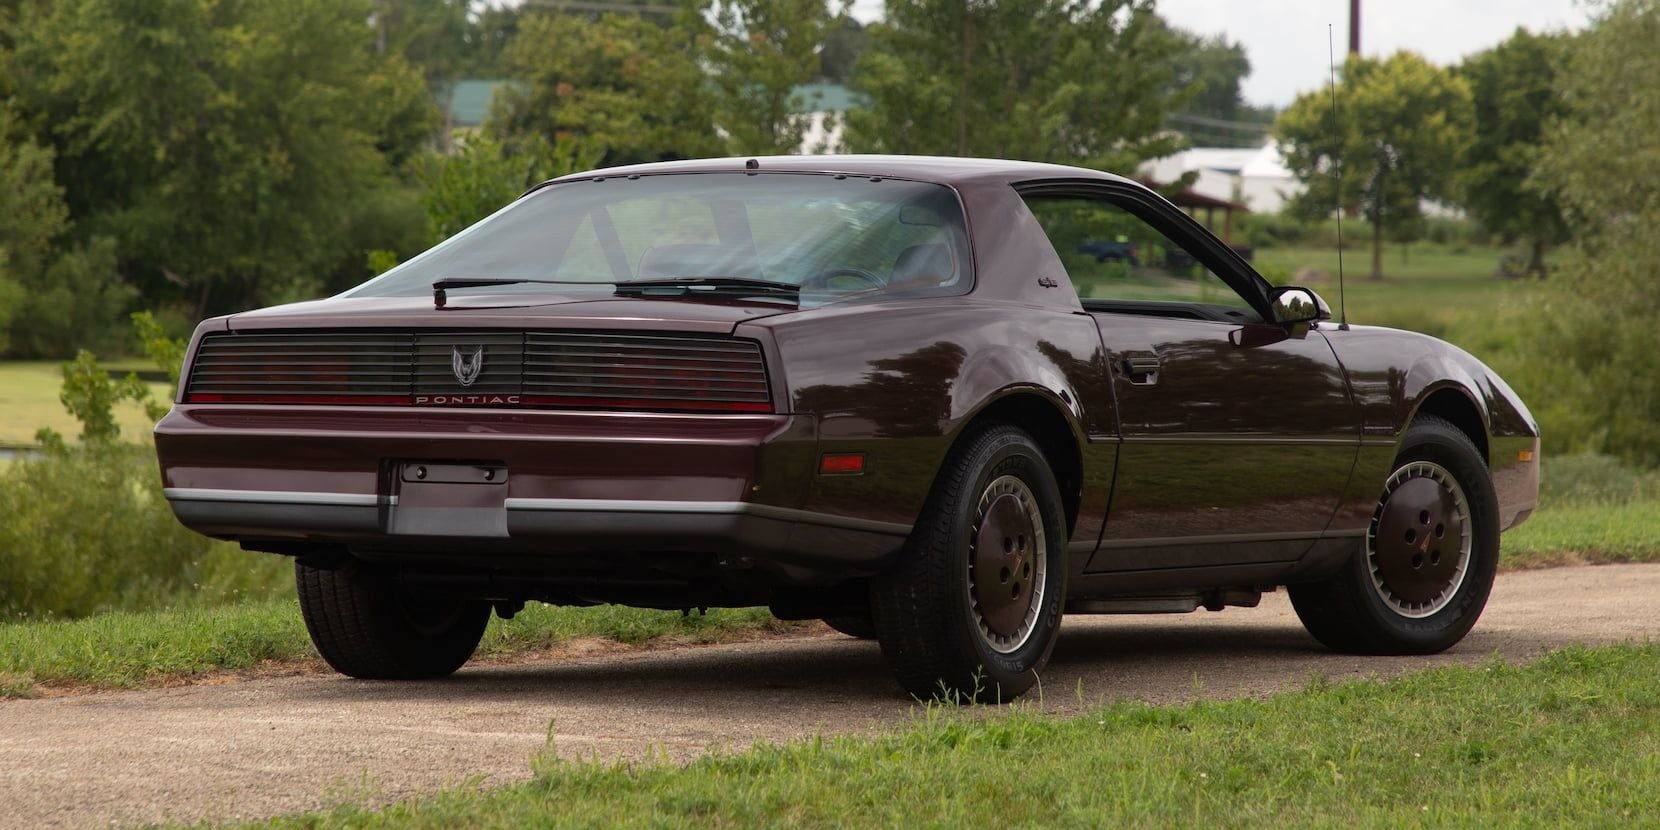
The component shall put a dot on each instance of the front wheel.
(368, 626)
(1430, 554)
(973, 608)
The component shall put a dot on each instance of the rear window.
(835, 236)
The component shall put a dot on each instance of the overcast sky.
(1286, 39)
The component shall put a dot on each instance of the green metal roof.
(470, 100)
(825, 97)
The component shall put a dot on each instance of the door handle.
(1140, 369)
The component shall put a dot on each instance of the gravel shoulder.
(274, 745)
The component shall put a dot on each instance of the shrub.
(88, 530)
(1595, 479)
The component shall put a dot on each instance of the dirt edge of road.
(245, 750)
(568, 650)
(572, 649)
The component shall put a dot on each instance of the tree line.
(1547, 140)
(204, 156)
(1398, 132)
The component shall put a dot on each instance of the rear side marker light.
(841, 464)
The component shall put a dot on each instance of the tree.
(1594, 351)
(621, 83)
(1399, 134)
(1513, 86)
(32, 205)
(224, 146)
(481, 177)
(54, 295)
(1044, 80)
(1216, 113)
(760, 51)
(490, 32)
(844, 42)
(431, 35)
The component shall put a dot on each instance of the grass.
(127, 649)
(1441, 290)
(1572, 738)
(29, 401)
(1593, 508)
(1579, 533)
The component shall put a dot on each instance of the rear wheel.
(368, 626)
(1430, 554)
(972, 610)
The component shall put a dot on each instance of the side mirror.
(1292, 304)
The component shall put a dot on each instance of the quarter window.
(1117, 259)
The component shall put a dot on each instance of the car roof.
(940, 169)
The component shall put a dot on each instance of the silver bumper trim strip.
(660, 506)
(278, 497)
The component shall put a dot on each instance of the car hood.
(516, 311)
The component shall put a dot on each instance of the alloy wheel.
(1418, 545)
(1008, 564)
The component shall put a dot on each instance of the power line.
(600, 6)
(1205, 121)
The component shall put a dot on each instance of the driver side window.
(1114, 256)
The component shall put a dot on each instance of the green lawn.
(1578, 533)
(129, 649)
(29, 401)
(1593, 508)
(1571, 739)
(1441, 290)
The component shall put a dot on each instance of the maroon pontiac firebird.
(938, 402)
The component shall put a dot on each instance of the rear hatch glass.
(833, 237)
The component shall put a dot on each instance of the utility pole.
(1354, 28)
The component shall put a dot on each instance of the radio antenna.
(1337, 180)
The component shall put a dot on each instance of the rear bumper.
(572, 486)
(797, 539)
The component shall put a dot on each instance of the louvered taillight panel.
(583, 369)
(547, 369)
(367, 368)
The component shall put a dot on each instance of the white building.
(1253, 177)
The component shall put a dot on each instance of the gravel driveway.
(261, 747)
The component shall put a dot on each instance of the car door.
(1238, 434)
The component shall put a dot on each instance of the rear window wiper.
(439, 287)
(711, 285)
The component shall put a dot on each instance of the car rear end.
(573, 401)
(506, 453)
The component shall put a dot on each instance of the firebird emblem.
(467, 367)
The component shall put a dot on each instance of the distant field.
(29, 401)
(1446, 291)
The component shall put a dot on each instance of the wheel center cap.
(1004, 545)
(1420, 534)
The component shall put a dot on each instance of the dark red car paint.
(1256, 458)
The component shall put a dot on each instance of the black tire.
(859, 627)
(927, 610)
(1350, 613)
(368, 626)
